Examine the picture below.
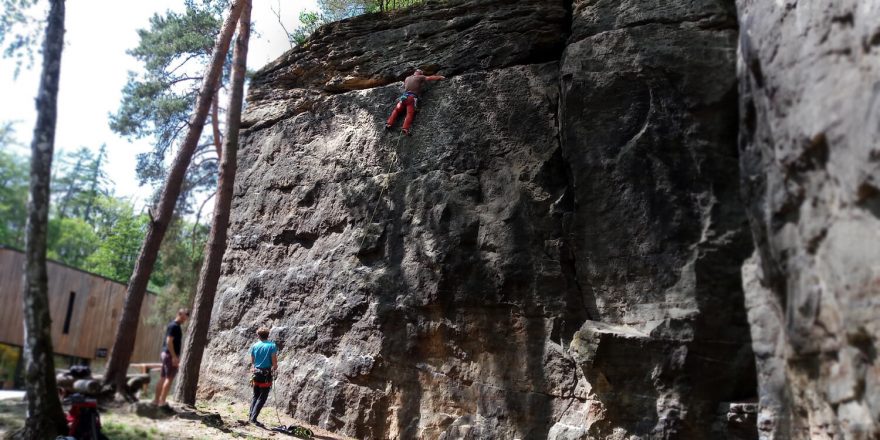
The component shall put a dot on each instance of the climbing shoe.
(407, 132)
(387, 127)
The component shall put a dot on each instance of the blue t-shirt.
(262, 353)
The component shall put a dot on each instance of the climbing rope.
(275, 397)
(391, 165)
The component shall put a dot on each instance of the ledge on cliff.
(457, 37)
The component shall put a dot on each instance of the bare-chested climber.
(412, 87)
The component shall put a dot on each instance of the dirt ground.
(213, 420)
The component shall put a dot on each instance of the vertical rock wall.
(810, 146)
(553, 254)
(657, 230)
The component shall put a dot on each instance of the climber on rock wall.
(412, 87)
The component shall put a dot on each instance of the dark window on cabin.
(67, 317)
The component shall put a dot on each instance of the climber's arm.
(435, 77)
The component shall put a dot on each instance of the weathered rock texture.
(656, 227)
(555, 253)
(810, 145)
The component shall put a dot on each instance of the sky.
(94, 68)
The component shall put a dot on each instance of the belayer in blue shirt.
(264, 362)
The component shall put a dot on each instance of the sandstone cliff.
(555, 253)
(810, 143)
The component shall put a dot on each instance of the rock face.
(810, 143)
(555, 253)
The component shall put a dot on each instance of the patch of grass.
(118, 431)
(243, 412)
(12, 413)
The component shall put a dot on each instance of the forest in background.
(94, 229)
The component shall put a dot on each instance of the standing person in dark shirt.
(170, 356)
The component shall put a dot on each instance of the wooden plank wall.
(95, 314)
(10, 296)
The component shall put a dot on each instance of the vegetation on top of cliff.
(334, 10)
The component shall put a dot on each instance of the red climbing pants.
(410, 105)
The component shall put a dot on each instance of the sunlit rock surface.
(554, 253)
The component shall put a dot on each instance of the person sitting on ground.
(264, 363)
(412, 87)
(170, 357)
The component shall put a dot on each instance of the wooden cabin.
(85, 310)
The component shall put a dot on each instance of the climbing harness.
(406, 96)
(262, 378)
(394, 162)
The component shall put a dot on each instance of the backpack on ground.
(83, 419)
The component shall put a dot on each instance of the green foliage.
(119, 431)
(177, 274)
(79, 182)
(174, 52)
(335, 10)
(20, 31)
(7, 135)
(93, 230)
(71, 241)
(120, 235)
(9, 356)
(309, 21)
(157, 101)
(13, 198)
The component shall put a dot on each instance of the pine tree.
(123, 344)
(13, 198)
(197, 335)
(95, 184)
(156, 102)
(79, 181)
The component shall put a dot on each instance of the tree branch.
(197, 165)
(196, 225)
(182, 79)
(281, 22)
(182, 63)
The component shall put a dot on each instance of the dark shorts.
(168, 368)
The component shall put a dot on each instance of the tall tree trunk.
(126, 333)
(197, 335)
(45, 417)
(215, 123)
